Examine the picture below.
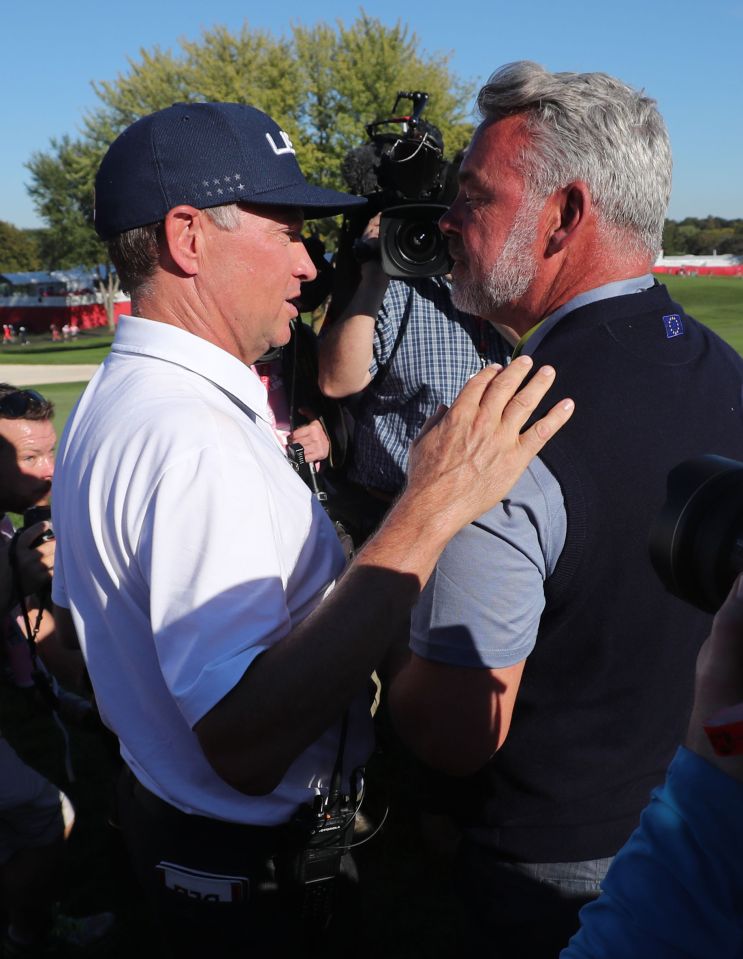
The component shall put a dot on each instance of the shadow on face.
(26, 462)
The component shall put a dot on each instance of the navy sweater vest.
(606, 693)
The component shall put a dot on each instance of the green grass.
(64, 396)
(716, 301)
(90, 347)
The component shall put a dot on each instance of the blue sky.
(688, 55)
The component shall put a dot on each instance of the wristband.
(725, 731)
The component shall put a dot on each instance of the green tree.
(322, 84)
(19, 249)
(702, 236)
(62, 190)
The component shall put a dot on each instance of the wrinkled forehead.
(28, 434)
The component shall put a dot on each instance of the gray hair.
(590, 127)
(136, 253)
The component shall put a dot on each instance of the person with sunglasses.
(27, 449)
(35, 816)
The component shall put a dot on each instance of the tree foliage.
(703, 236)
(62, 190)
(322, 84)
(19, 249)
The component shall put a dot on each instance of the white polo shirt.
(186, 546)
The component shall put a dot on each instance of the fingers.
(30, 535)
(314, 439)
(371, 232)
(471, 395)
(46, 553)
(537, 435)
(722, 653)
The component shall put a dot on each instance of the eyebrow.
(468, 177)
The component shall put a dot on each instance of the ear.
(184, 238)
(571, 209)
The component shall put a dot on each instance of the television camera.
(402, 173)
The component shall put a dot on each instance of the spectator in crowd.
(196, 567)
(27, 447)
(289, 387)
(546, 662)
(35, 816)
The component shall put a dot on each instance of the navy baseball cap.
(204, 155)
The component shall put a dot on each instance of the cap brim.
(314, 201)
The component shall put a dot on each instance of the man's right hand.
(467, 458)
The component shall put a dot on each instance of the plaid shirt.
(424, 352)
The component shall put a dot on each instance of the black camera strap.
(45, 684)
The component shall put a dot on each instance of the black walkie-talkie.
(295, 452)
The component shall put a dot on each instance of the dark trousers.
(214, 886)
(522, 910)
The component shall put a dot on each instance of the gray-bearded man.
(546, 659)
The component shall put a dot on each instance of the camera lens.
(411, 243)
(418, 242)
(696, 544)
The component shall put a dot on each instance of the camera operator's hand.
(35, 564)
(373, 277)
(719, 679)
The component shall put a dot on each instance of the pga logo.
(286, 148)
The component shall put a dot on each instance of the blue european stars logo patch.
(674, 325)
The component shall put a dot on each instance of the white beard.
(512, 273)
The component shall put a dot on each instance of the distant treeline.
(24, 250)
(703, 236)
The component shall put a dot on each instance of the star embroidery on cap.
(227, 179)
(241, 186)
(236, 176)
(231, 189)
(216, 183)
(208, 192)
(220, 191)
(205, 182)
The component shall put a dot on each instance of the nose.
(46, 467)
(448, 223)
(305, 269)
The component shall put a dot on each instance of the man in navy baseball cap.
(195, 565)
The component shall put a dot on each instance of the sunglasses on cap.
(15, 405)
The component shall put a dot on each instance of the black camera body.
(403, 175)
(37, 514)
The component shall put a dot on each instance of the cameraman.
(401, 348)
